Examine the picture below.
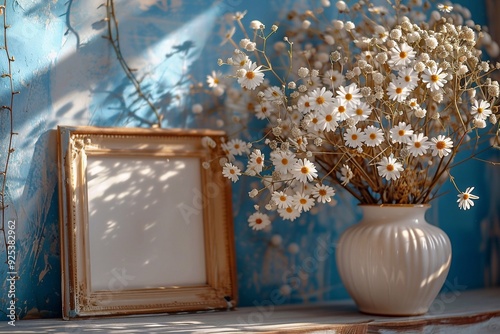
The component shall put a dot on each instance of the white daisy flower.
(237, 146)
(327, 121)
(256, 161)
(418, 144)
(481, 109)
(350, 95)
(253, 76)
(304, 170)
(465, 199)
(283, 161)
(341, 110)
(361, 112)
(373, 136)
(281, 199)
(389, 168)
(408, 77)
(434, 77)
(401, 56)
(314, 124)
(323, 193)
(401, 133)
(273, 94)
(397, 91)
(354, 137)
(231, 171)
(445, 8)
(214, 79)
(303, 105)
(320, 99)
(413, 104)
(258, 220)
(333, 78)
(240, 59)
(263, 110)
(289, 213)
(346, 174)
(300, 142)
(441, 146)
(302, 202)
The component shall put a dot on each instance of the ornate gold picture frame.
(144, 227)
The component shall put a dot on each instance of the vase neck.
(394, 213)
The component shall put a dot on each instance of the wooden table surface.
(474, 311)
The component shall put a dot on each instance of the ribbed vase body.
(393, 262)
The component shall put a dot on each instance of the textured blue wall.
(67, 74)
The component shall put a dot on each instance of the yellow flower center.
(401, 132)
(434, 78)
(250, 75)
(304, 170)
(341, 109)
(284, 161)
(399, 90)
(283, 198)
(320, 100)
(403, 55)
(359, 111)
(348, 97)
(440, 145)
(258, 221)
(328, 118)
(390, 168)
(303, 201)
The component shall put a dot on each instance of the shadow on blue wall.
(70, 75)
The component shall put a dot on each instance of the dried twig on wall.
(8, 108)
(114, 38)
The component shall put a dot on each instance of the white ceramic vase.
(393, 262)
